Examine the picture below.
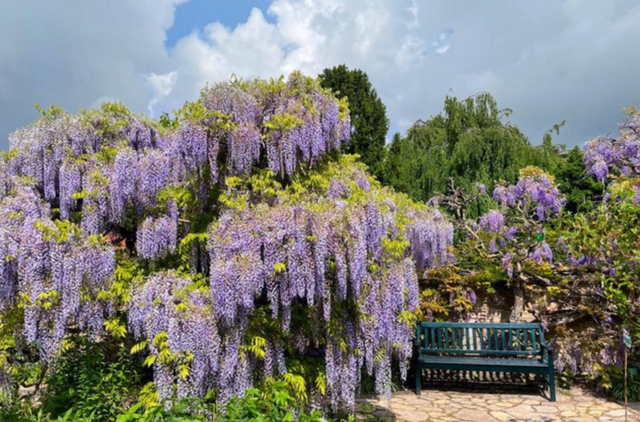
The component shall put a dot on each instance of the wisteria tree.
(512, 236)
(231, 241)
(617, 159)
(606, 241)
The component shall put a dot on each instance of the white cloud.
(441, 44)
(549, 61)
(160, 86)
(76, 53)
(414, 22)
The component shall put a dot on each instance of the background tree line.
(471, 143)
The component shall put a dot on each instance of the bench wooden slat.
(427, 341)
(522, 353)
(433, 337)
(490, 344)
(519, 338)
(446, 337)
(466, 334)
(533, 339)
(475, 346)
(496, 339)
(482, 361)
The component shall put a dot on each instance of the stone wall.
(491, 308)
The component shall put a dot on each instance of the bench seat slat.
(480, 325)
(466, 360)
(481, 352)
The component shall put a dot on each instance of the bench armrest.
(547, 352)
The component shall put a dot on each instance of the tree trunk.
(518, 301)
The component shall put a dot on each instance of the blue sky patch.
(196, 14)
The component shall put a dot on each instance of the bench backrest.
(499, 339)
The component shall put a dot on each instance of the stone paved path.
(442, 406)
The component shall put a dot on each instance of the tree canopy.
(470, 142)
(368, 115)
(573, 181)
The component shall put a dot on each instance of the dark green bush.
(91, 383)
(633, 385)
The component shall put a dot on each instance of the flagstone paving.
(574, 405)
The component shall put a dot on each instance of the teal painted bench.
(484, 347)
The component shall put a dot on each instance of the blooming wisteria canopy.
(342, 247)
(255, 242)
(515, 231)
(605, 156)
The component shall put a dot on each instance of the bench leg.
(418, 379)
(552, 386)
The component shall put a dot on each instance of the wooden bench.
(484, 347)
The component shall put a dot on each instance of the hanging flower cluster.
(513, 235)
(302, 125)
(534, 194)
(605, 157)
(177, 319)
(330, 251)
(157, 237)
(48, 266)
(524, 207)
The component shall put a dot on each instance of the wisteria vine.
(226, 231)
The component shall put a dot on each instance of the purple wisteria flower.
(492, 222)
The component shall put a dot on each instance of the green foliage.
(470, 143)
(52, 112)
(274, 401)
(369, 120)
(574, 182)
(86, 381)
(566, 379)
(76, 416)
(444, 292)
(188, 410)
(632, 388)
(611, 237)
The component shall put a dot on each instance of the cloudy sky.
(548, 60)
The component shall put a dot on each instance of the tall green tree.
(573, 181)
(369, 122)
(469, 144)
